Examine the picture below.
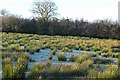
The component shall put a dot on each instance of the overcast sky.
(76, 9)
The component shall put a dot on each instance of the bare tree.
(3, 12)
(45, 9)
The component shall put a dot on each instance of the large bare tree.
(45, 9)
(3, 12)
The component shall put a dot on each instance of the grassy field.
(89, 57)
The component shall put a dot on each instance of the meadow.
(36, 56)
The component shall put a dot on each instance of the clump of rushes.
(105, 55)
(87, 49)
(48, 63)
(31, 50)
(23, 55)
(37, 70)
(96, 49)
(119, 60)
(99, 52)
(8, 71)
(6, 61)
(54, 51)
(18, 48)
(37, 50)
(93, 73)
(5, 44)
(72, 58)
(82, 57)
(109, 72)
(93, 54)
(105, 50)
(115, 55)
(61, 56)
(77, 47)
(66, 49)
(115, 50)
(50, 55)
(87, 63)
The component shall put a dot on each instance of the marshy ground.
(32, 55)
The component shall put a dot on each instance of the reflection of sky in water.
(41, 56)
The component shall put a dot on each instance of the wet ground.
(42, 56)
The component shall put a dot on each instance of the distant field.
(35, 56)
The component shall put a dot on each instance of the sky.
(76, 9)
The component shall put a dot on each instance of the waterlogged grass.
(17, 48)
(14, 66)
(109, 73)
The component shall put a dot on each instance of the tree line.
(46, 23)
(65, 27)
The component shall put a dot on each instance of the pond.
(43, 54)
